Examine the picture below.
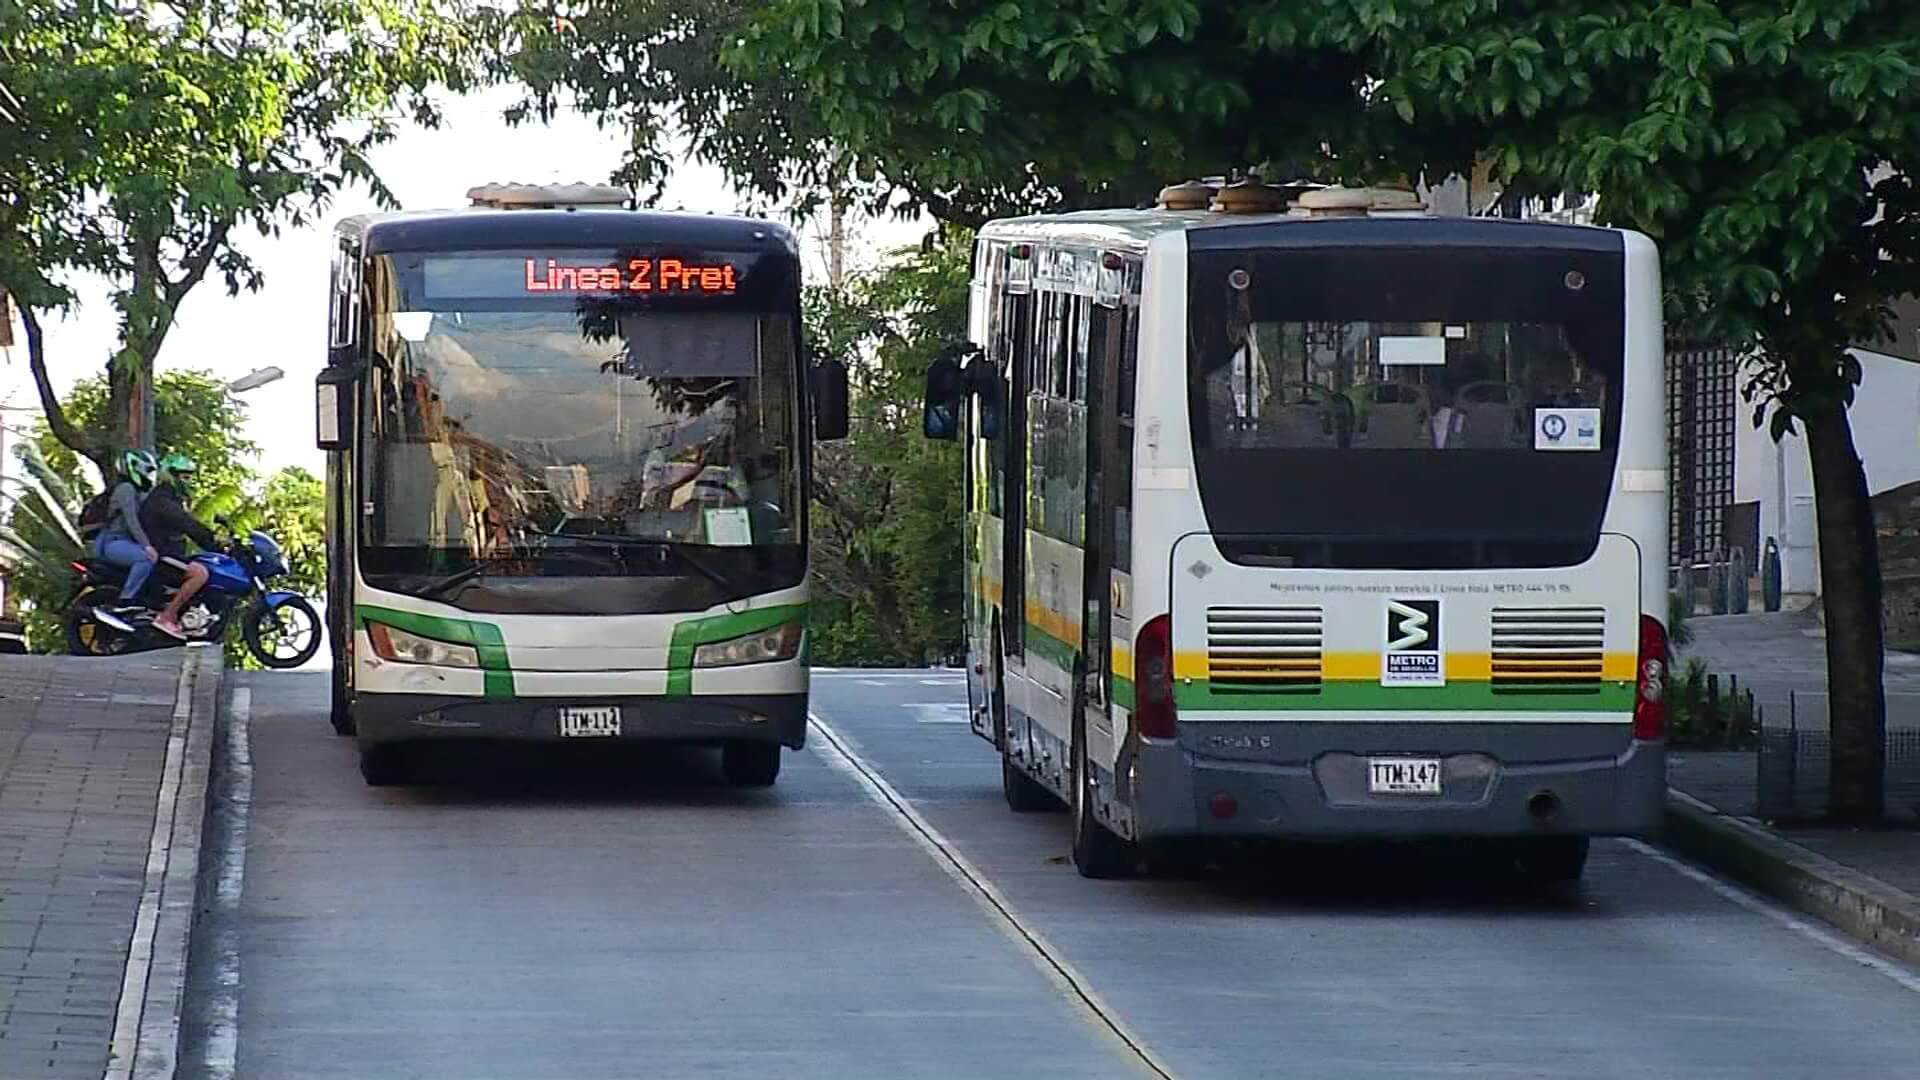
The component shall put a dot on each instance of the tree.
(1770, 147)
(142, 142)
(1772, 150)
(887, 557)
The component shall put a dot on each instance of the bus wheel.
(750, 764)
(1097, 851)
(385, 766)
(341, 713)
(1553, 860)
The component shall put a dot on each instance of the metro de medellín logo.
(1412, 656)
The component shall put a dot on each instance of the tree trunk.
(100, 453)
(1850, 592)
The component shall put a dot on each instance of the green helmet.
(139, 467)
(176, 467)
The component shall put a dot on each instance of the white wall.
(1886, 432)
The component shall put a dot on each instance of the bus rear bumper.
(702, 718)
(1180, 794)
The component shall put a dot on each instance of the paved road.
(522, 922)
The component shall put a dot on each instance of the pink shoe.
(171, 628)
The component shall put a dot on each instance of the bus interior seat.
(1395, 417)
(1494, 415)
(1303, 415)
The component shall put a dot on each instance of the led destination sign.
(639, 275)
(508, 275)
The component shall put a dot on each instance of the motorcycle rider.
(164, 513)
(123, 539)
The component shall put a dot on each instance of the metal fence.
(1796, 751)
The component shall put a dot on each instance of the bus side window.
(1122, 465)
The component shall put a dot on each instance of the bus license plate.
(1403, 776)
(589, 721)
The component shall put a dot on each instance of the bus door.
(1109, 488)
(1013, 348)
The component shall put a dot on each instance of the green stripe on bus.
(1043, 644)
(1120, 690)
(496, 671)
(690, 634)
(1371, 696)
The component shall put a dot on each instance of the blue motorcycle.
(281, 628)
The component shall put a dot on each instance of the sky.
(284, 325)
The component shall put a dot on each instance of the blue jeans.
(122, 551)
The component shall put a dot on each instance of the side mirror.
(830, 420)
(983, 382)
(333, 407)
(940, 414)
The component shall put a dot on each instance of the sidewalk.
(1867, 881)
(89, 749)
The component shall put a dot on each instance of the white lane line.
(133, 983)
(833, 749)
(221, 1050)
(1819, 934)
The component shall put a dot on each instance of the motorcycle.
(280, 628)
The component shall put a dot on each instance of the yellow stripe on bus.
(1365, 666)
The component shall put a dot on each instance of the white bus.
(567, 477)
(1321, 518)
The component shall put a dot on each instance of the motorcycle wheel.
(282, 637)
(87, 636)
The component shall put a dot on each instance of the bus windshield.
(1359, 409)
(583, 438)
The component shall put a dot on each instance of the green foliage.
(140, 141)
(887, 509)
(1705, 712)
(654, 68)
(193, 414)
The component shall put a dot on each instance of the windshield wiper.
(678, 547)
(452, 581)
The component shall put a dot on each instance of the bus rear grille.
(1548, 649)
(1264, 649)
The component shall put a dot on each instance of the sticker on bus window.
(1413, 351)
(729, 527)
(1566, 429)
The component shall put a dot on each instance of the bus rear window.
(1374, 386)
(1403, 407)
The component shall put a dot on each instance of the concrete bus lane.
(1398, 964)
(602, 914)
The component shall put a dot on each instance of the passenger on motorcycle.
(123, 539)
(164, 513)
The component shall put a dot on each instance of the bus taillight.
(1153, 679)
(1650, 681)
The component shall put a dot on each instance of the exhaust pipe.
(115, 621)
(1543, 806)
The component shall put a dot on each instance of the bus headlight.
(404, 648)
(779, 643)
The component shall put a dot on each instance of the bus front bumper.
(1497, 791)
(695, 719)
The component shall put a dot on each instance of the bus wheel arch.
(1098, 852)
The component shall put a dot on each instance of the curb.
(1866, 908)
(146, 1030)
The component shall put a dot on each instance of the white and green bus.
(568, 463)
(1317, 518)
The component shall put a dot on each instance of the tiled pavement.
(82, 748)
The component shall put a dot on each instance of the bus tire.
(340, 714)
(385, 766)
(1553, 860)
(1024, 794)
(750, 764)
(1098, 852)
